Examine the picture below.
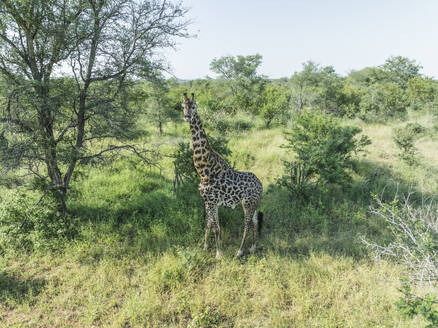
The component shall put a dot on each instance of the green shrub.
(296, 179)
(243, 158)
(224, 122)
(411, 305)
(383, 100)
(323, 150)
(435, 121)
(415, 128)
(275, 104)
(422, 93)
(404, 138)
(26, 224)
(183, 159)
(350, 98)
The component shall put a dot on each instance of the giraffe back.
(231, 187)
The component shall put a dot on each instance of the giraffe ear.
(185, 96)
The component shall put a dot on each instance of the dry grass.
(265, 291)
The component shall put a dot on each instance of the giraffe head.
(189, 106)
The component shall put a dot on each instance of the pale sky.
(347, 34)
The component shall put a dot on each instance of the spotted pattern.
(220, 184)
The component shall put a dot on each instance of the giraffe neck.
(201, 147)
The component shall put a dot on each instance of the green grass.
(138, 261)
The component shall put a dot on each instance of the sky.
(346, 34)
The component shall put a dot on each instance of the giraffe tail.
(259, 221)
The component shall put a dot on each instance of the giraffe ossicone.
(220, 184)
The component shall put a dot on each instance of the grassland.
(138, 262)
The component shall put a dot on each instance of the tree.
(237, 68)
(386, 90)
(366, 76)
(382, 100)
(245, 83)
(350, 98)
(316, 87)
(52, 122)
(275, 103)
(160, 107)
(211, 95)
(303, 86)
(422, 92)
(400, 69)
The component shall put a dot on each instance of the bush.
(404, 138)
(415, 128)
(296, 179)
(414, 235)
(435, 121)
(26, 224)
(350, 98)
(383, 100)
(183, 160)
(275, 104)
(422, 93)
(323, 150)
(223, 122)
(405, 141)
(414, 243)
(411, 305)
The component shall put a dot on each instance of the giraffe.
(220, 184)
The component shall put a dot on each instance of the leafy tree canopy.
(400, 69)
(51, 123)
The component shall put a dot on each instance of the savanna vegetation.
(101, 222)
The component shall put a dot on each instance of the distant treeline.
(373, 93)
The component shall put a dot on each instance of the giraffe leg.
(207, 232)
(247, 213)
(216, 229)
(242, 244)
(254, 232)
(213, 220)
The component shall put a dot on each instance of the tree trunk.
(57, 187)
